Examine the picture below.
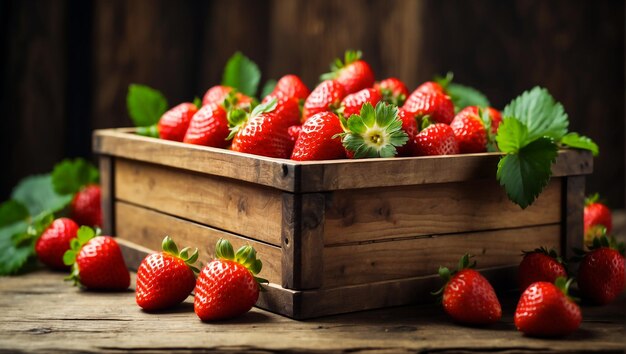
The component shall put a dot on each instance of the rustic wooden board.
(392, 212)
(133, 226)
(403, 258)
(242, 208)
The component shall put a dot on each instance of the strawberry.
(227, 286)
(265, 131)
(545, 310)
(409, 125)
(54, 241)
(317, 139)
(218, 94)
(375, 132)
(208, 127)
(325, 97)
(353, 74)
(97, 262)
(85, 208)
(495, 117)
(436, 139)
(470, 131)
(601, 272)
(353, 102)
(430, 100)
(165, 279)
(540, 265)
(596, 217)
(292, 86)
(393, 91)
(174, 123)
(286, 106)
(467, 296)
(294, 132)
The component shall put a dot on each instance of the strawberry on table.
(545, 310)
(353, 102)
(430, 100)
(325, 97)
(167, 278)
(540, 265)
(55, 241)
(318, 139)
(353, 74)
(467, 296)
(292, 86)
(435, 139)
(97, 262)
(601, 271)
(85, 208)
(597, 216)
(208, 127)
(174, 123)
(227, 286)
(393, 91)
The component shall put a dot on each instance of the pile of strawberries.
(348, 115)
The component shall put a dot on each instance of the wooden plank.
(246, 209)
(303, 242)
(573, 205)
(277, 173)
(147, 228)
(107, 188)
(378, 261)
(392, 212)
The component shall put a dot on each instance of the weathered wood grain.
(42, 314)
(573, 206)
(242, 208)
(132, 226)
(404, 258)
(107, 190)
(393, 212)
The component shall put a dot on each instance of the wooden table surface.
(41, 313)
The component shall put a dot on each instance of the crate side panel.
(250, 210)
(396, 259)
(147, 228)
(406, 211)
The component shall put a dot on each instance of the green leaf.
(69, 257)
(541, 114)
(197, 102)
(580, 142)
(512, 135)
(12, 257)
(268, 88)
(145, 105)
(242, 74)
(69, 176)
(151, 131)
(524, 174)
(37, 194)
(84, 234)
(463, 96)
(11, 212)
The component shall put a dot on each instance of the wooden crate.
(334, 236)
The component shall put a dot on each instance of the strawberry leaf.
(145, 105)
(580, 142)
(242, 74)
(268, 88)
(37, 194)
(151, 131)
(11, 212)
(462, 96)
(512, 135)
(12, 257)
(69, 176)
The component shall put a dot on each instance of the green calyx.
(151, 131)
(246, 256)
(563, 284)
(188, 255)
(84, 235)
(390, 98)
(238, 117)
(485, 117)
(548, 252)
(197, 102)
(446, 274)
(350, 57)
(594, 198)
(376, 132)
(602, 241)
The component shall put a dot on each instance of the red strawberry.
(325, 97)
(174, 123)
(265, 132)
(436, 139)
(318, 141)
(54, 241)
(292, 86)
(353, 74)
(165, 279)
(468, 297)
(218, 94)
(409, 125)
(596, 217)
(601, 272)
(429, 100)
(494, 115)
(393, 91)
(470, 132)
(294, 132)
(227, 287)
(97, 262)
(545, 310)
(85, 208)
(353, 102)
(286, 106)
(540, 265)
(208, 127)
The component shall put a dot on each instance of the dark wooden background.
(66, 65)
